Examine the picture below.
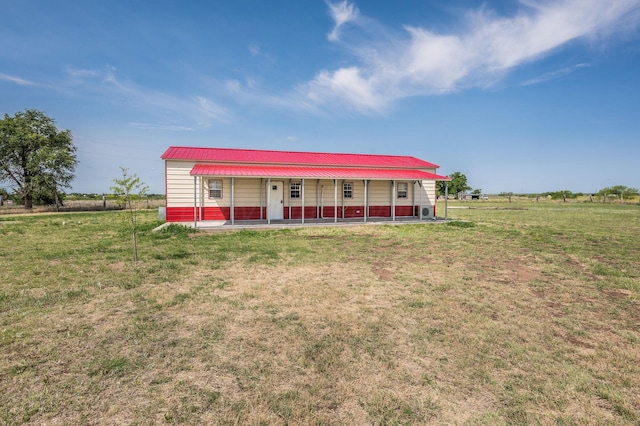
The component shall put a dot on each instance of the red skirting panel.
(310, 212)
(404, 211)
(185, 214)
(380, 211)
(216, 213)
(248, 213)
(180, 214)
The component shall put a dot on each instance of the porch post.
(365, 202)
(393, 200)
(289, 199)
(413, 199)
(268, 201)
(233, 195)
(420, 208)
(195, 201)
(335, 201)
(317, 199)
(261, 198)
(302, 198)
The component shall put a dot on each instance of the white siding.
(428, 193)
(247, 192)
(379, 193)
(179, 183)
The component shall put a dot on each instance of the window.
(215, 189)
(295, 189)
(402, 189)
(347, 190)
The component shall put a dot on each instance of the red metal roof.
(250, 156)
(311, 172)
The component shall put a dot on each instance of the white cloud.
(341, 13)
(486, 48)
(345, 84)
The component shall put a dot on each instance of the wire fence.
(9, 207)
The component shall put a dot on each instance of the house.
(212, 184)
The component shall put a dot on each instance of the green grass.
(528, 316)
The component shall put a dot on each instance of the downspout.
(233, 199)
(364, 213)
(302, 198)
(343, 197)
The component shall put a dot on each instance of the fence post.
(104, 202)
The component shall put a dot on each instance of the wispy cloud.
(341, 13)
(484, 50)
(196, 110)
(210, 110)
(76, 72)
(17, 80)
(254, 49)
(553, 75)
(160, 126)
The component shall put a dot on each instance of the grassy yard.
(507, 317)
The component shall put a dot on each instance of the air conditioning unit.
(427, 213)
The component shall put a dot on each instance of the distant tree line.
(459, 184)
(608, 194)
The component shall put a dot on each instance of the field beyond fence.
(499, 316)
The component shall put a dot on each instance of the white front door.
(275, 210)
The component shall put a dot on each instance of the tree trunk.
(26, 190)
(28, 201)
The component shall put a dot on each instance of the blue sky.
(521, 96)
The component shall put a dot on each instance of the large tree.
(458, 184)
(36, 158)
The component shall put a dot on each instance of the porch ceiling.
(312, 172)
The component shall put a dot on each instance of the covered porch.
(289, 196)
